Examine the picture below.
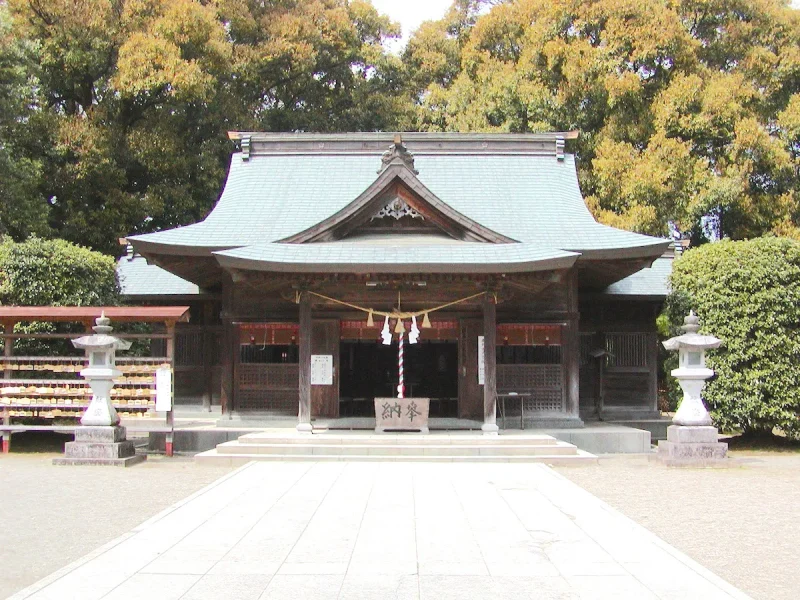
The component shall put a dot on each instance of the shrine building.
(324, 251)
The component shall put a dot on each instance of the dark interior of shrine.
(369, 370)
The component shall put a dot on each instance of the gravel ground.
(741, 523)
(52, 516)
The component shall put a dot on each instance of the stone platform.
(408, 447)
(100, 446)
(198, 435)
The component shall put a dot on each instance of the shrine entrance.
(369, 369)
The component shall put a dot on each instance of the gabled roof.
(501, 188)
(368, 202)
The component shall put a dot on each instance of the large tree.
(22, 206)
(138, 96)
(689, 110)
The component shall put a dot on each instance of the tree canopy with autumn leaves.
(689, 110)
(119, 109)
(114, 113)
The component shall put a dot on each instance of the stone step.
(327, 439)
(467, 449)
(213, 457)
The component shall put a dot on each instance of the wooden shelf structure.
(49, 387)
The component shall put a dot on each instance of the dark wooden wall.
(627, 330)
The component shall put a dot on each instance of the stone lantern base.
(102, 446)
(692, 446)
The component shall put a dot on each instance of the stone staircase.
(409, 447)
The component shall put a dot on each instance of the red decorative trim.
(262, 326)
(507, 327)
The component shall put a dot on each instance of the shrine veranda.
(320, 245)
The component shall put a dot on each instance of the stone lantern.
(101, 349)
(692, 438)
(100, 440)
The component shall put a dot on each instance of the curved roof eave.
(145, 246)
(295, 259)
(649, 250)
(404, 267)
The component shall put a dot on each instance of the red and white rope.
(400, 386)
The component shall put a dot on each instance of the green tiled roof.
(137, 278)
(529, 197)
(652, 282)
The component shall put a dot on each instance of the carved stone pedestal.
(692, 446)
(102, 446)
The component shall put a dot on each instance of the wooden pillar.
(170, 412)
(304, 411)
(490, 365)
(208, 350)
(571, 347)
(229, 346)
(8, 347)
(8, 352)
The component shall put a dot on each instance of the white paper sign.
(163, 389)
(481, 361)
(321, 369)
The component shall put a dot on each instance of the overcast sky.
(410, 13)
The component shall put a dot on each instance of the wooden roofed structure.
(315, 234)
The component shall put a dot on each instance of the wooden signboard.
(401, 413)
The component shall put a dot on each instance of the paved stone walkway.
(386, 530)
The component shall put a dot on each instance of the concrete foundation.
(195, 440)
(657, 427)
(692, 446)
(100, 446)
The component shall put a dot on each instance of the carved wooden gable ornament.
(397, 202)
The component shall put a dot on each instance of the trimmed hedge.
(40, 272)
(748, 294)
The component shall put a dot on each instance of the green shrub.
(748, 294)
(40, 272)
